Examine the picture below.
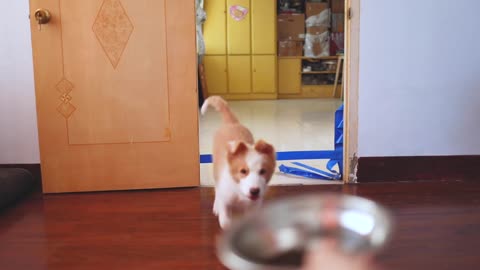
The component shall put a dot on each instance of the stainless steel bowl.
(277, 236)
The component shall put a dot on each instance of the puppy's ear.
(265, 148)
(236, 148)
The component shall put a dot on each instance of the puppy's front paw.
(215, 209)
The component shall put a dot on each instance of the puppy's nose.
(254, 191)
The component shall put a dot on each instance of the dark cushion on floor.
(14, 183)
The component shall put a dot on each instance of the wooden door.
(238, 31)
(116, 94)
(289, 77)
(264, 73)
(215, 27)
(239, 74)
(216, 73)
(264, 15)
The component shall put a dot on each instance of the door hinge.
(349, 13)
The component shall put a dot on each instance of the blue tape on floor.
(302, 173)
(331, 174)
(311, 172)
(206, 159)
(294, 155)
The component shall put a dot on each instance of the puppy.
(242, 167)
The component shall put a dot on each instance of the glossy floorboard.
(438, 227)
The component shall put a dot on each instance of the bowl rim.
(230, 258)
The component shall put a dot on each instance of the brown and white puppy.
(242, 167)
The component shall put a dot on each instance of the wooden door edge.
(352, 24)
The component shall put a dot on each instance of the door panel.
(111, 108)
(134, 112)
(215, 32)
(238, 32)
(264, 73)
(289, 78)
(239, 74)
(264, 27)
(216, 74)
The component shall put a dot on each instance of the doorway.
(280, 65)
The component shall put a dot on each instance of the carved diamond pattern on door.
(113, 29)
(65, 108)
(128, 103)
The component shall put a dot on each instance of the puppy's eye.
(243, 171)
(262, 171)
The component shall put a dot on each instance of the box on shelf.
(338, 22)
(290, 48)
(291, 26)
(314, 8)
(316, 30)
(338, 6)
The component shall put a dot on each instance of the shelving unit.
(319, 72)
(335, 57)
(244, 58)
(292, 85)
(320, 81)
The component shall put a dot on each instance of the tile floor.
(290, 125)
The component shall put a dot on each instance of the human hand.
(327, 255)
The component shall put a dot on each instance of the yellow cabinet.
(264, 73)
(239, 74)
(216, 74)
(238, 32)
(264, 26)
(289, 77)
(215, 31)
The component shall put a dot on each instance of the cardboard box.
(290, 48)
(316, 30)
(338, 6)
(315, 8)
(291, 26)
(338, 22)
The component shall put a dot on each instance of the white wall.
(419, 88)
(18, 122)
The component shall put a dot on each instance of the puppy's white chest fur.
(229, 191)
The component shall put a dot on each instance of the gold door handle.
(42, 16)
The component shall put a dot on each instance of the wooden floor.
(438, 227)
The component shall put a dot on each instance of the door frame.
(352, 60)
(350, 89)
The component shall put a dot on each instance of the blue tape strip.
(340, 126)
(327, 174)
(340, 140)
(311, 172)
(206, 159)
(293, 155)
(302, 173)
